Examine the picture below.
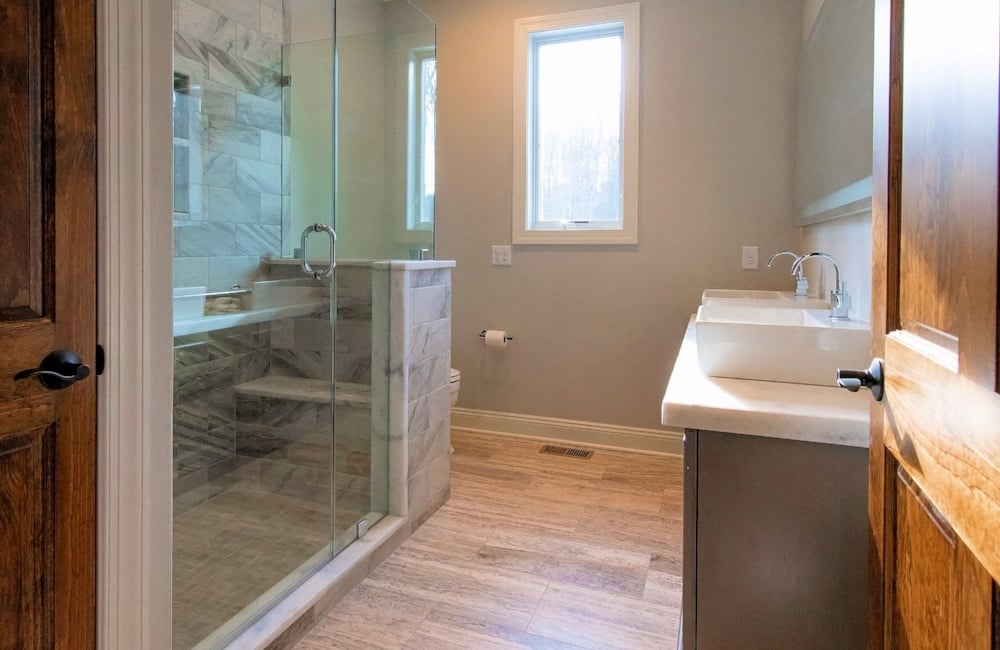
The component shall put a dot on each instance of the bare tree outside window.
(576, 127)
(578, 130)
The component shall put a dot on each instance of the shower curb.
(310, 602)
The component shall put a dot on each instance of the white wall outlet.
(751, 258)
(501, 256)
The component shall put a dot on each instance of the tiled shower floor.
(234, 546)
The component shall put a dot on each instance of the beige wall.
(849, 241)
(810, 10)
(597, 328)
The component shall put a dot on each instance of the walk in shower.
(281, 402)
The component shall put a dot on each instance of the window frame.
(399, 155)
(587, 22)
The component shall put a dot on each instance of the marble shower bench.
(303, 389)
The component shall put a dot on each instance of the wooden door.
(934, 493)
(47, 301)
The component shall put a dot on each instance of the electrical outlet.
(751, 258)
(501, 256)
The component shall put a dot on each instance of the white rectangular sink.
(799, 346)
(758, 298)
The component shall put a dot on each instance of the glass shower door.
(254, 407)
(280, 428)
(312, 155)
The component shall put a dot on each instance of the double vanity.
(776, 460)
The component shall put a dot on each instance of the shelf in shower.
(303, 389)
(215, 322)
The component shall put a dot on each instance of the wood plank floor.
(531, 551)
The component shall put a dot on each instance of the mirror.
(833, 127)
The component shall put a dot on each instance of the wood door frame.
(886, 165)
(135, 323)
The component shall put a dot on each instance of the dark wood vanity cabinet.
(775, 543)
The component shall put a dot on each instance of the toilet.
(454, 384)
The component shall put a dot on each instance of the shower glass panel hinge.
(362, 528)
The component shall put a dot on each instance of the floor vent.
(566, 451)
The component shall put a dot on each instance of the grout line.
(531, 618)
(416, 629)
(645, 576)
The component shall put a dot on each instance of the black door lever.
(59, 369)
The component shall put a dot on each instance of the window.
(420, 141)
(576, 120)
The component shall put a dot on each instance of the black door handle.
(59, 369)
(872, 379)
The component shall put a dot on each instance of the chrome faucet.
(839, 299)
(801, 282)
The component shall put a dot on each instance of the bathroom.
(354, 386)
(373, 154)
(270, 102)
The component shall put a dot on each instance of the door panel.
(22, 94)
(948, 225)
(26, 556)
(925, 546)
(942, 597)
(956, 461)
(47, 301)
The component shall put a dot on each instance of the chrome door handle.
(59, 369)
(873, 379)
(306, 268)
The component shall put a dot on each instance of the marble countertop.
(694, 400)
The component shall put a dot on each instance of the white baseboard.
(594, 434)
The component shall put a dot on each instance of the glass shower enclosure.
(280, 405)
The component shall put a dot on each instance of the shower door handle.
(306, 268)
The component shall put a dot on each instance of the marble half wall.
(419, 345)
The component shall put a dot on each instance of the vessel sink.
(800, 346)
(756, 298)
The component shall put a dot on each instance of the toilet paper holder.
(507, 339)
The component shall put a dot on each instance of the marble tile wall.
(285, 447)
(428, 364)
(207, 367)
(301, 346)
(282, 446)
(360, 470)
(229, 133)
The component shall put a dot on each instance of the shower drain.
(566, 451)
